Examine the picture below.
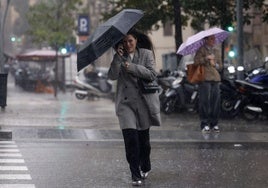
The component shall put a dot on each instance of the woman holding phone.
(135, 59)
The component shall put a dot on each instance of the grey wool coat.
(134, 109)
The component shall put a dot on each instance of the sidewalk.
(42, 116)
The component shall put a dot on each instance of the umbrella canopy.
(193, 43)
(107, 35)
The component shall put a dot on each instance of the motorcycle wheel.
(80, 96)
(168, 106)
(227, 107)
(249, 114)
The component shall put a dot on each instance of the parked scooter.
(180, 96)
(94, 84)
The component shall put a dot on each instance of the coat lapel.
(136, 57)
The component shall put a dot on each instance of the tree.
(156, 11)
(52, 22)
(218, 12)
(214, 12)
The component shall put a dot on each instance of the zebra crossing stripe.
(17, 186)
(10, 155)
(8, 146)
(11, 160)
(9, 150)
(7, 142)
(15, 168)
(15, 177)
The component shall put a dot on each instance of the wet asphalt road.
(68, 143)
(65, 164)
(37, 115)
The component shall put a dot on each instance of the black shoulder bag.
(147, 87)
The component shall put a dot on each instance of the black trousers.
(138, 149)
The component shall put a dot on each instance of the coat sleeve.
(115, 67)
(146, 68)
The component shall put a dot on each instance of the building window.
(168, 29)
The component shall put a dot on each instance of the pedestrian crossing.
(13, 172)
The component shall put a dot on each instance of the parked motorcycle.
(230, 99)
(255, 99)
(94, 84)
(181, 95)
(237, 96)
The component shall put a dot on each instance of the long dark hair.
(143, 40)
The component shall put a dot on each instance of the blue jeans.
(209, 103)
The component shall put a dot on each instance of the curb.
(166, 136)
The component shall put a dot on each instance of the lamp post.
(240, 51)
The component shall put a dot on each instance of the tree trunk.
(178, 26)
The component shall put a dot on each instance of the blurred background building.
(16, 40)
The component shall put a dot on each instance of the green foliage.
(154, 11)
(214, 12)
(52, 22)
(217, 12)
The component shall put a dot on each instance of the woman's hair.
(143, 40)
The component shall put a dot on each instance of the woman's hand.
(120, 50)
(211, 56)
(212, 62)
(211, 59)
(126, 65)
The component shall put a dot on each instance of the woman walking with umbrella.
(136, 111)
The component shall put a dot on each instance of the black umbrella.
(107, 35)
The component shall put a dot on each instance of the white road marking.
(11, 160)
(17, 186)
(10, 155)
(8, 146)
(11, 168)
(7, 142)
(15, 177)
(9, 150)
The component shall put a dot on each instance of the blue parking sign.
(83, 25)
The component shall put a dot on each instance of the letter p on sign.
(83, 25)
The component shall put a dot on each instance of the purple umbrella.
(193, 43)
